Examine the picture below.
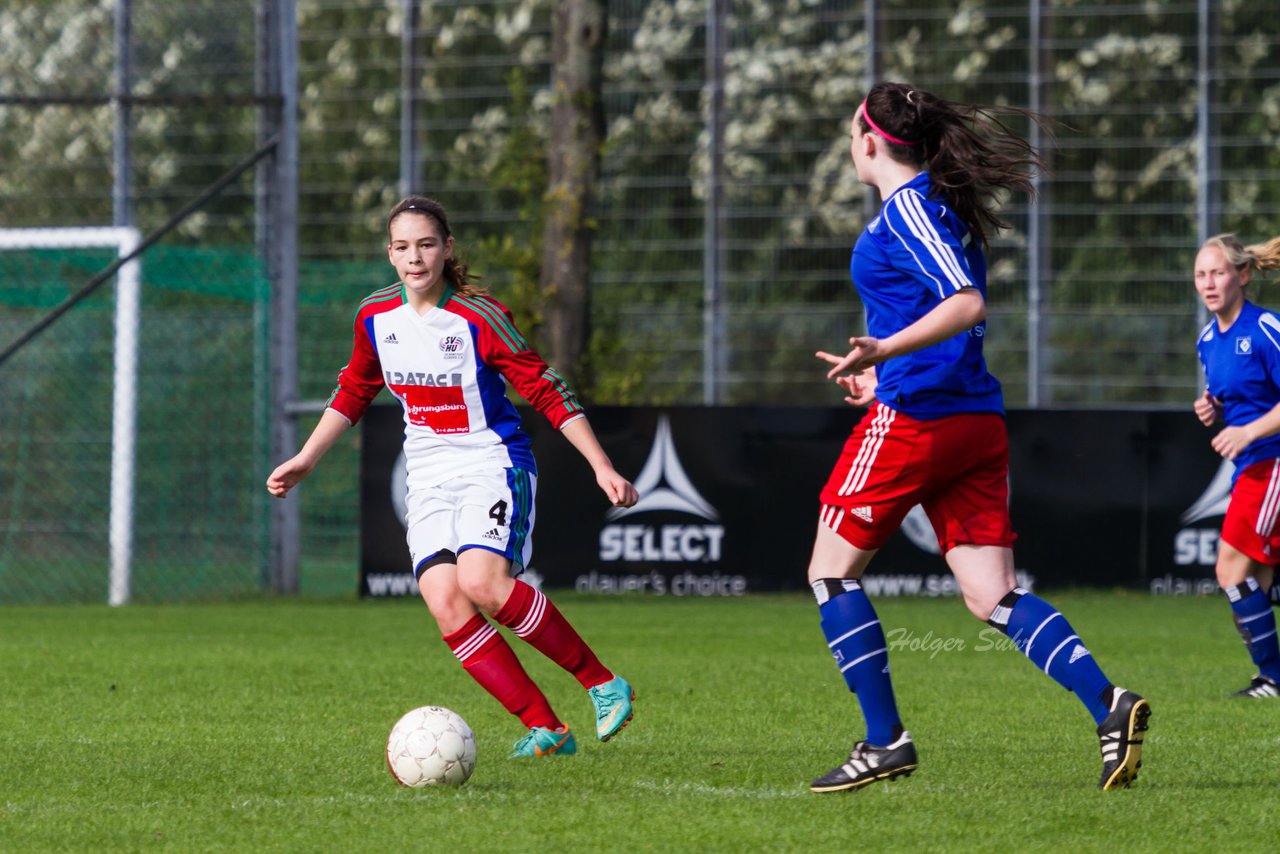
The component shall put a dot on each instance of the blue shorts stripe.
(521, 513)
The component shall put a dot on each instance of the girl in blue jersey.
(1240, 351)
(935, 434)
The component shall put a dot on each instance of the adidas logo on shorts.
(863, 513)
(492, 534)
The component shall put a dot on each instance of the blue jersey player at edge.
(1240, 351)
(934, 433)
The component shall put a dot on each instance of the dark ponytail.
(971, 154)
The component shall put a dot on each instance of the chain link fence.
(196, 447)
(1164, 121)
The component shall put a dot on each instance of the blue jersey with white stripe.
(1242, 369)
(912, 256)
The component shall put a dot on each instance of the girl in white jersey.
(446, 351)
(935, 434)
(1240, 351)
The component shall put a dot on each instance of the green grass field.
(260, 726)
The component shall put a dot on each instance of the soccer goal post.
(125, 374)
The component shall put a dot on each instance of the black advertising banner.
(384, 555)
(1185, 497)
(729, 503)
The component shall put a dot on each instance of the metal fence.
(720, 263)
(133, 432)
(729, 205)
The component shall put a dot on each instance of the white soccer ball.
(431, 746)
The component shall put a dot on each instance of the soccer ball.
(431, 746)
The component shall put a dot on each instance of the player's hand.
(286, 476)
(865, 353)
(617, 488)
(1208, 408)
(861, 387)
(1231, 441)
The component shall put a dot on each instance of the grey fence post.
(409, 85)
(278, 242)
(714, 358)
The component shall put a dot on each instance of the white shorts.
(482, 510)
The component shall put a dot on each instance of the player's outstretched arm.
(290, 473)
(962, 310)
(859, 385)
(616, 488)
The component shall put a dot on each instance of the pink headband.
(875, 127)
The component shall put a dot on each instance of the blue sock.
(857, 642)
(1256, 624)
(1046, 638)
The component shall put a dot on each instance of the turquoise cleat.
(612, 700)
(544, 741)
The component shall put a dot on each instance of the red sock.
(491, 662)
(537, 621)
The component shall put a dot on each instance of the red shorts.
(956, 467)
(1253, 515)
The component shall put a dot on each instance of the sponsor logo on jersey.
(664, 486)
(399, 378)
(452, 346)
(1244, 345)
(390, 339)
(438, 408)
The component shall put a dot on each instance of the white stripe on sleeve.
(924, 233)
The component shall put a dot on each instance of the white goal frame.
(124, 406)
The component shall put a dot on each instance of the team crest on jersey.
(452, 346)
(1244, 345)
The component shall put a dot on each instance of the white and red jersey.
(447, 368)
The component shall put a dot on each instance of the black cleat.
(867, 764)
(1120, 739)
(1260, 687)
